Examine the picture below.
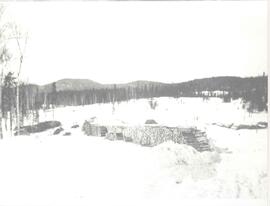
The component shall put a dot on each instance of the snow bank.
(186, 173)
(184, 161)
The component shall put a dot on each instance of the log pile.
(197, 139)
(94, 130)
(40, 127)
(150, 135)
(259, 125)
(153, 135)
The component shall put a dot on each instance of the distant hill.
(86, 84)
(72, 84)
(141, 84)
(228, 83)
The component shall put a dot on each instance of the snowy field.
(46, 169)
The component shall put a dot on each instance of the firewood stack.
(150, 135)
(197, 139)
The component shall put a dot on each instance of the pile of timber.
(40, 127)
(149, 135)
(197, 139)
(259, 125)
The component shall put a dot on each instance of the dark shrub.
(75, 126)
(227, 99)
(153, 104)
(150, 121)
(58, 131)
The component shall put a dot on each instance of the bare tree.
(4, 58)
(10, 32)
(18, 36)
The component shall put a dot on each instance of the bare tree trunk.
(45, 101)
(1, 112)
(53, 112)
(2, 8)
(18, 108)
(18, 82)
(1, 129)
(10, 121)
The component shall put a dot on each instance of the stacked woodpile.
(153, 135)
(150, 135)
(94, 130)
(196, 138)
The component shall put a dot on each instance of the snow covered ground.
(46, 169)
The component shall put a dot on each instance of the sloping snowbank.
(207, 174)
(184, 161)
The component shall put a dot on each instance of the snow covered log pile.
(149, 135)
(259, 125)
(94, 130)
(40, 127)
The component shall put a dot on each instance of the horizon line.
(143, 80)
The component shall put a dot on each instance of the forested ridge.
(250, 88)
(34, 97)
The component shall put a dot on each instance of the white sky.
(115, 42)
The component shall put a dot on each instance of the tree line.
(32, 99)
(253, 90)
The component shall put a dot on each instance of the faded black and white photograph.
(133, 103)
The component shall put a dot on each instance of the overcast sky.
(116, 42)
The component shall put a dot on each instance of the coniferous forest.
(252, 91)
